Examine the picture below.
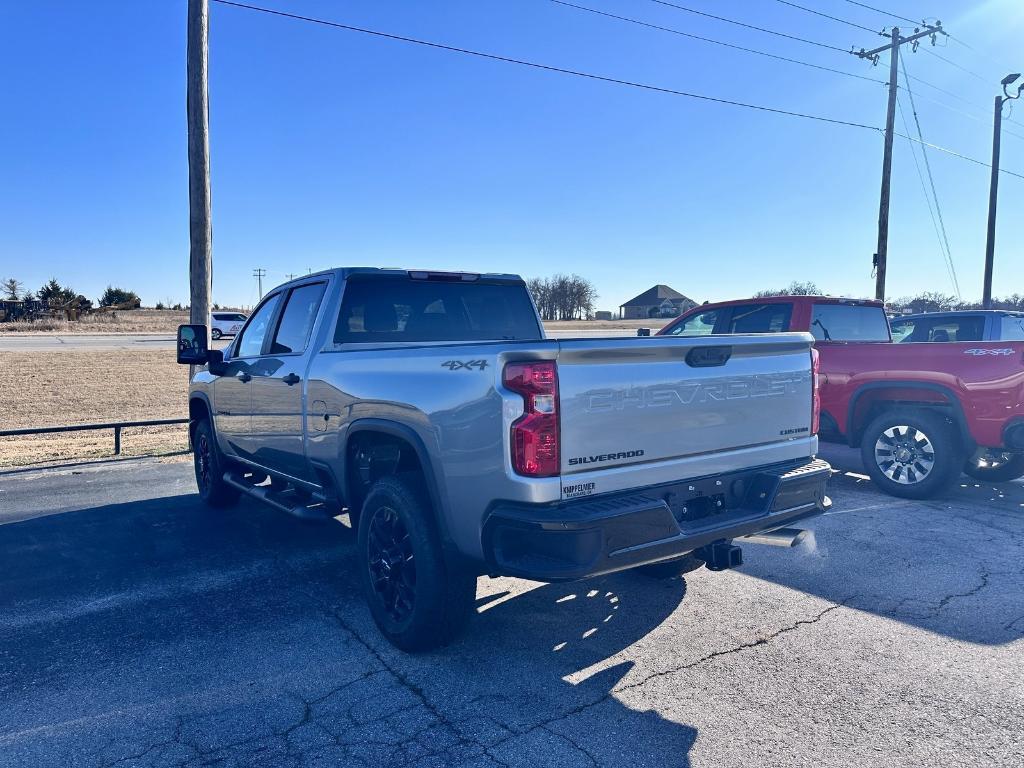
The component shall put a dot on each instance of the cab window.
(849, 322)
(760, 318)
(699, 324)
(251, 342)
(1013, 328)
(297, 319)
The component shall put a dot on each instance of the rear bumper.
(587, 537)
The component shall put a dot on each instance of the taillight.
(535, 433)
(815, 391)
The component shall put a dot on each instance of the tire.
(209, 466)
(668, 569)
(995, 466)
(417, 599)
(216, 333)
(912, 453)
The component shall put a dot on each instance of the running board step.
(316, 512)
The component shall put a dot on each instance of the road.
(29, 342)
(45, 342)
(139, 629)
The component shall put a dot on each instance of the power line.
(931, 179)
(544, 67)
(924, 191)
(954, 64)
(884, 13)
(590, 76)
(945, 150)
(969, 115)
(750, 26)
(826, 16)
(715, 42)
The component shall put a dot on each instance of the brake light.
(535, 439)
(815, 391)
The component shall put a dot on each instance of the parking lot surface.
(138, 628)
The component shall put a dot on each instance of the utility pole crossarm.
(927, 32)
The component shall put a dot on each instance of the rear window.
(849, 322)
(938, 328)
(760, 318)
(1013, 328)
(381, 309)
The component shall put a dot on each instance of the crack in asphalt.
(739, 648)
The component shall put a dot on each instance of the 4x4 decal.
(458, 365)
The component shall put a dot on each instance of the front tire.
(210, 466)
(417, 599)
(216, 333)
(995, 466)
(914, 453)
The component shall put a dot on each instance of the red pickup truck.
(920, 413)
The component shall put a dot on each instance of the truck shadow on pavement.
(159, 633)
(952, 566)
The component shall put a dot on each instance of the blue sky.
(333, 148)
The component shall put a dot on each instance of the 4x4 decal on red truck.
(982, 351)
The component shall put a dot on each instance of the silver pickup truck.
(462, 442)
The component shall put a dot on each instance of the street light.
(993, 190)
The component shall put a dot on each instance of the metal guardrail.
(117, 426)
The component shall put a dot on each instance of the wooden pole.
(198, 108)
(993, 194)
(882, 254)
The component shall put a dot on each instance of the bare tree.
(563, 297)
(11, 288)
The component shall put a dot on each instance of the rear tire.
(668, 569)
(995, 466)
(417, 599)
(210, 466)
(912, 453)
(216, 333)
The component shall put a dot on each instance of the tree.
(563, 297)
(796, 288)
(11, 288)
(112, 296)
(57, 294)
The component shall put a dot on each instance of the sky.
(333, 148)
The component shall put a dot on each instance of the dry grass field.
(78, 387)
(121, 321)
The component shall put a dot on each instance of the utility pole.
(882, 251)
(290, 275)
(198, 110)
(993, 189)
(259, 273)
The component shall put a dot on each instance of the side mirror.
(192, 345)
(643, 331)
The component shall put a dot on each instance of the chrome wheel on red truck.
(911, 453)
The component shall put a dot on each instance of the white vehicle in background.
(226, 323)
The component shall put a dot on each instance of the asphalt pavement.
(138, 628)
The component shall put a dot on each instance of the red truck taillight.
(815, 391)
(535, 434)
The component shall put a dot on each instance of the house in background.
(659, 301)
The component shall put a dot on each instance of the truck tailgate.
(647, 410)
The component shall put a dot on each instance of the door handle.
(243, 377)
(290, 379)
